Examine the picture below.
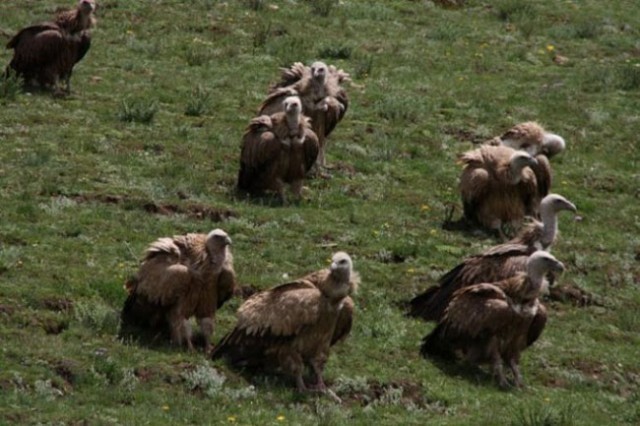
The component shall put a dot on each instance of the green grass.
(151, 136)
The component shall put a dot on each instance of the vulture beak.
(227, 241)
(558, 267)
(572, 207)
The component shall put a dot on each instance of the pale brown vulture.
(496, 263)
(293, 325)
(181, 277)
(500, 186)
(531, 137)
(46, 53)
(277, 149)
(324, 99)
(492, 322)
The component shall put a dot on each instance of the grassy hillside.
(148, 146)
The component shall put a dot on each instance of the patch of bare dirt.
(145, 374)
(6, 310)
(54, 325)
(571, 293)
(58, 304)
(196, 211)
(465, 135)
(402, 392)
(65, 368)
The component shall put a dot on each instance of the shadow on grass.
(465, 370)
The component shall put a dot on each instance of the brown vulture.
(496, 263)
(181, 277)
(531, 137)
(500, 186)
(492, 322)
(46, 53)
(293, 325)
(277, 149)
(324, 99)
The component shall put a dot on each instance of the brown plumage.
(277, 149)
(496, 263)
(293, 325)
(181, 277)
(324, 99)
(531, 137)
(46, 53)
(500, 186)
(492, 322)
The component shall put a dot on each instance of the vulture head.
(87, 6)
(540, 263)
(531, 137)
(217, 241)
(340, 270)
(292, 106)
(319, 71)
(554, 203)
(518, 161)
(552, 144)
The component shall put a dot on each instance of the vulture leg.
(318, 367)
(515, 368)
(280, 190)
(296, 188)
(498, 371)
(180, 329)
(206, 327)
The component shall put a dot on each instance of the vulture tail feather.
(431, 304)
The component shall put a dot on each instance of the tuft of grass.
(255, 5)
(363, 66)
(543, 415)
(335, 52)
(261, 35)
(514, 10)
(137, 111)
(11, 85)
(97, 316)
(322, 8)
(198, 103)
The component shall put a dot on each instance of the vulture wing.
(30, 32)
(475, 313)
(345, 321)
(543, 175)
(260, 146)
(282, 311)
(163, 280)
(475, 182)
(37, 48)
(311, 148)
(495, 264)
(292, 75)
(226, 286)
(273, 103)
(537, 325)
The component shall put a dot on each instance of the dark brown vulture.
(292, 325)
(492, 322)
(277, 149)
(324, 99)
(500, 186)
(531, 137)
(495, 264)
(46, 53)
(181, 277)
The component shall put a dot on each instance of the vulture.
(324, 99)
(46, 53)
(277, 149)
(180, 277)
(531, 137)
(496, 263)
(492, 322)
(500, 186)
(294, 325)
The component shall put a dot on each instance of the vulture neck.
(293, 119)
(516, 169)
(549, 226)
(337, 285)
(217, 258)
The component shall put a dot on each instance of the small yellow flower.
(564, 182)
(433, 232)
(550, 48)
(411, 270)
(425, 207)
(547, 399)
(231, 419)
(280, 418)
(165, 408)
